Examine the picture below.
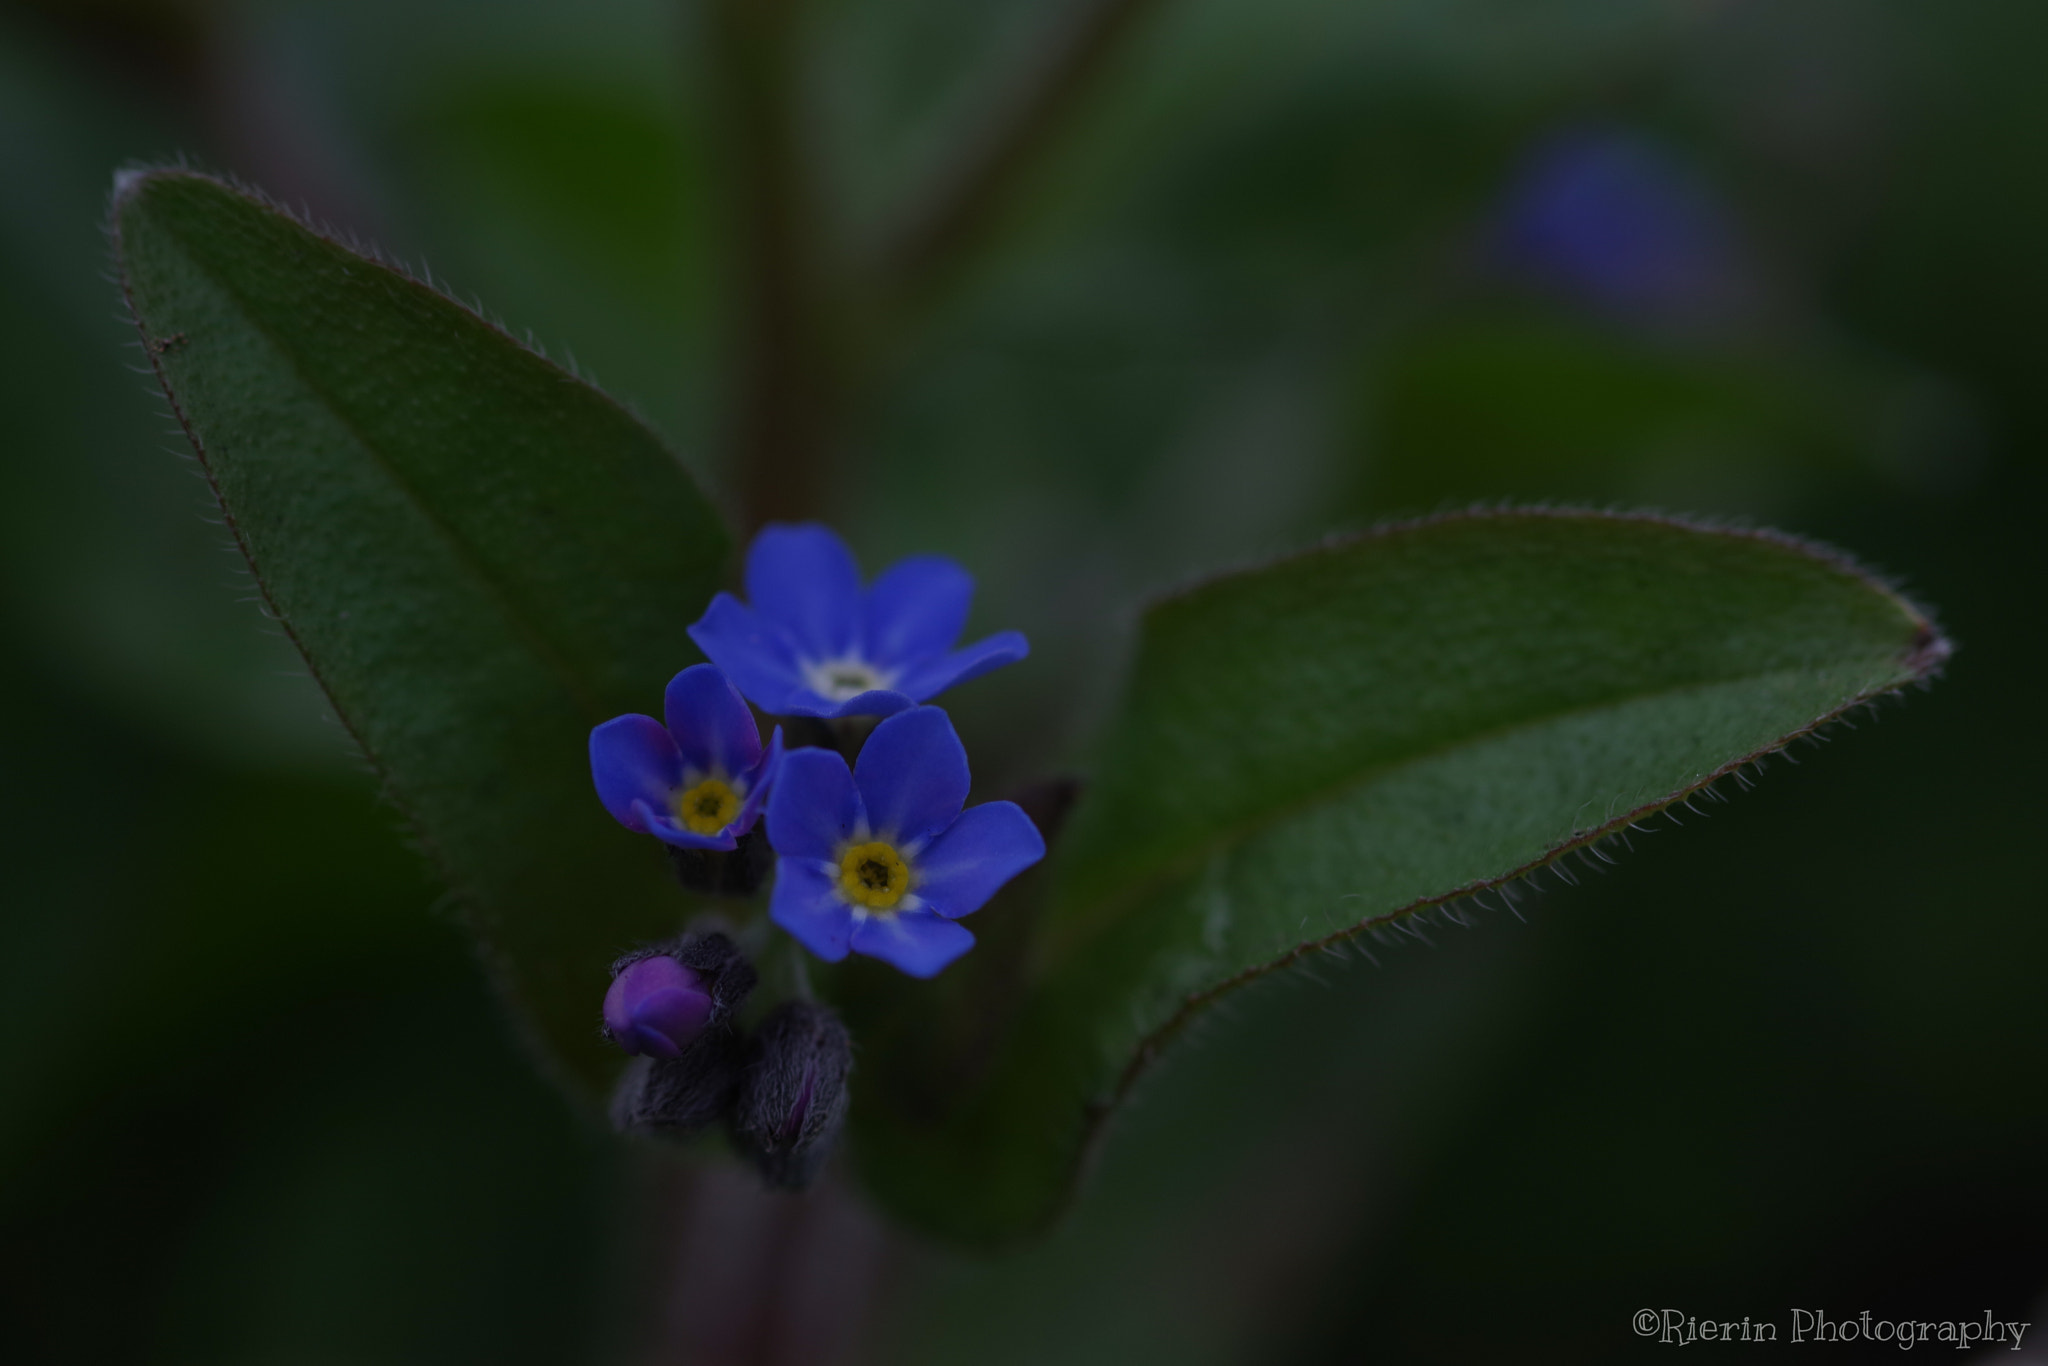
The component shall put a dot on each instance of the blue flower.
(813, 642)
(1617, 222)
(696, 783)
(881, 859)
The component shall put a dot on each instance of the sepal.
(792, 1093)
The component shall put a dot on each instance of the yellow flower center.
(708, 807)
(873, 875)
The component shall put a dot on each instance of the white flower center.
(841, 680)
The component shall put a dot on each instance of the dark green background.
(258, 1104)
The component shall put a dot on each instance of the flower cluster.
(882, 858)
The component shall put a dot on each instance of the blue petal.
(804, 579)
(880, 702)
(917, 608)
(933, 677)
(912, 775)
(633, 759)
(760, 782)
(711, 723)
(814, 807)
(806, 903)
(917, 942)
(986, 847)
(756, 655)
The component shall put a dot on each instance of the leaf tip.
(132, 179)
(126, 179)
(1929, 653)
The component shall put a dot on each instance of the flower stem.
(968, 196)
(785, 385)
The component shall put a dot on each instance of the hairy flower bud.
(708, 965)
(656, 1006)
(674, 1003)
(679, 1096)
(792, 1095)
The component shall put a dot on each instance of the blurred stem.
(967, 198)
(789, 375)
(785, 386)
(753, 1277)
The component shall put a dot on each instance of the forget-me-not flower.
(1618, 222)
(811, 641)
(698, 782)
(880, 859)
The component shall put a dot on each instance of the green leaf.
(1339, 739)
(479, 555)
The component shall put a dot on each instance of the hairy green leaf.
(479, 555)
(1327, 743)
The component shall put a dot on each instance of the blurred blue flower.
(698, 782)
(813, 642)
(1620, 223)
(881, 859)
